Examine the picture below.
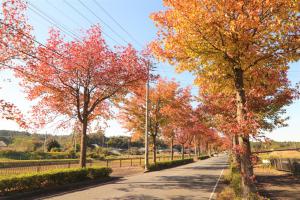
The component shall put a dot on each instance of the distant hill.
(273, 145)
(8, 133)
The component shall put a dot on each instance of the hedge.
(169, 164)
(203, 157)
(36, 181)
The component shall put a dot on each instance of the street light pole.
(147, 122)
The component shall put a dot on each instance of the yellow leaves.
(197, 34)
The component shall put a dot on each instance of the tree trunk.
(236, 156)
(172, 151)
(243, 138)
(207, 149)
(154, 148)
(82, 161)
(200, 151)
(182, 151)
(195, 148)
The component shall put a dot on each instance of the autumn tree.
(176, 113)
(80, 80)
(162, 99)
(227, 39)
(267, 92)
(15, 32)
(15, 36)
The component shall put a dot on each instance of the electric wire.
(87, 19)
(110, 28)
(113, 19)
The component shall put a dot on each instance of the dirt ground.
(277, 185)
(126, 171)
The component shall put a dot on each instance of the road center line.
(212, 194)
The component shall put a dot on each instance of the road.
(192, 181)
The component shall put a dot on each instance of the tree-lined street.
(80, 81)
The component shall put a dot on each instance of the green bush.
(235, 182)
(169, 164)
(234, 179)
(35, 181)
(203, 157)
(51, 144)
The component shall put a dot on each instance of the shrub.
(35, 181)
(169, 164)
(203, 157)
(236, 182)
(52, 143)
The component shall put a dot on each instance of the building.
(3, 145)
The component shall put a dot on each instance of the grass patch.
(280, 154)
(169, 164)
(36, 181)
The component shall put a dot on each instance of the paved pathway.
(188, 182)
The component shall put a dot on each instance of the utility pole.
(45, 140)
(147, 121)
(75, 145)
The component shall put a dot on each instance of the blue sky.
(133, 15)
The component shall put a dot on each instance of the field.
(281, 154)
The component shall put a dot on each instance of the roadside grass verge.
(169, 164)
(233, 189)
(48, 179)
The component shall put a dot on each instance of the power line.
(62, 13)
(52, 21)
(112, 18)
(110, 28)
(87, 19)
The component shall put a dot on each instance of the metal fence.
(288, 165)
(22, 168)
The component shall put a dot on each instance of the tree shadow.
(199, 182)
(279, 186)
(135, 197)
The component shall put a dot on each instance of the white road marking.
(215, 187)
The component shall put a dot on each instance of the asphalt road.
(193, 181)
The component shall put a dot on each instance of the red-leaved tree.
(80, 80)
(15, 38)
